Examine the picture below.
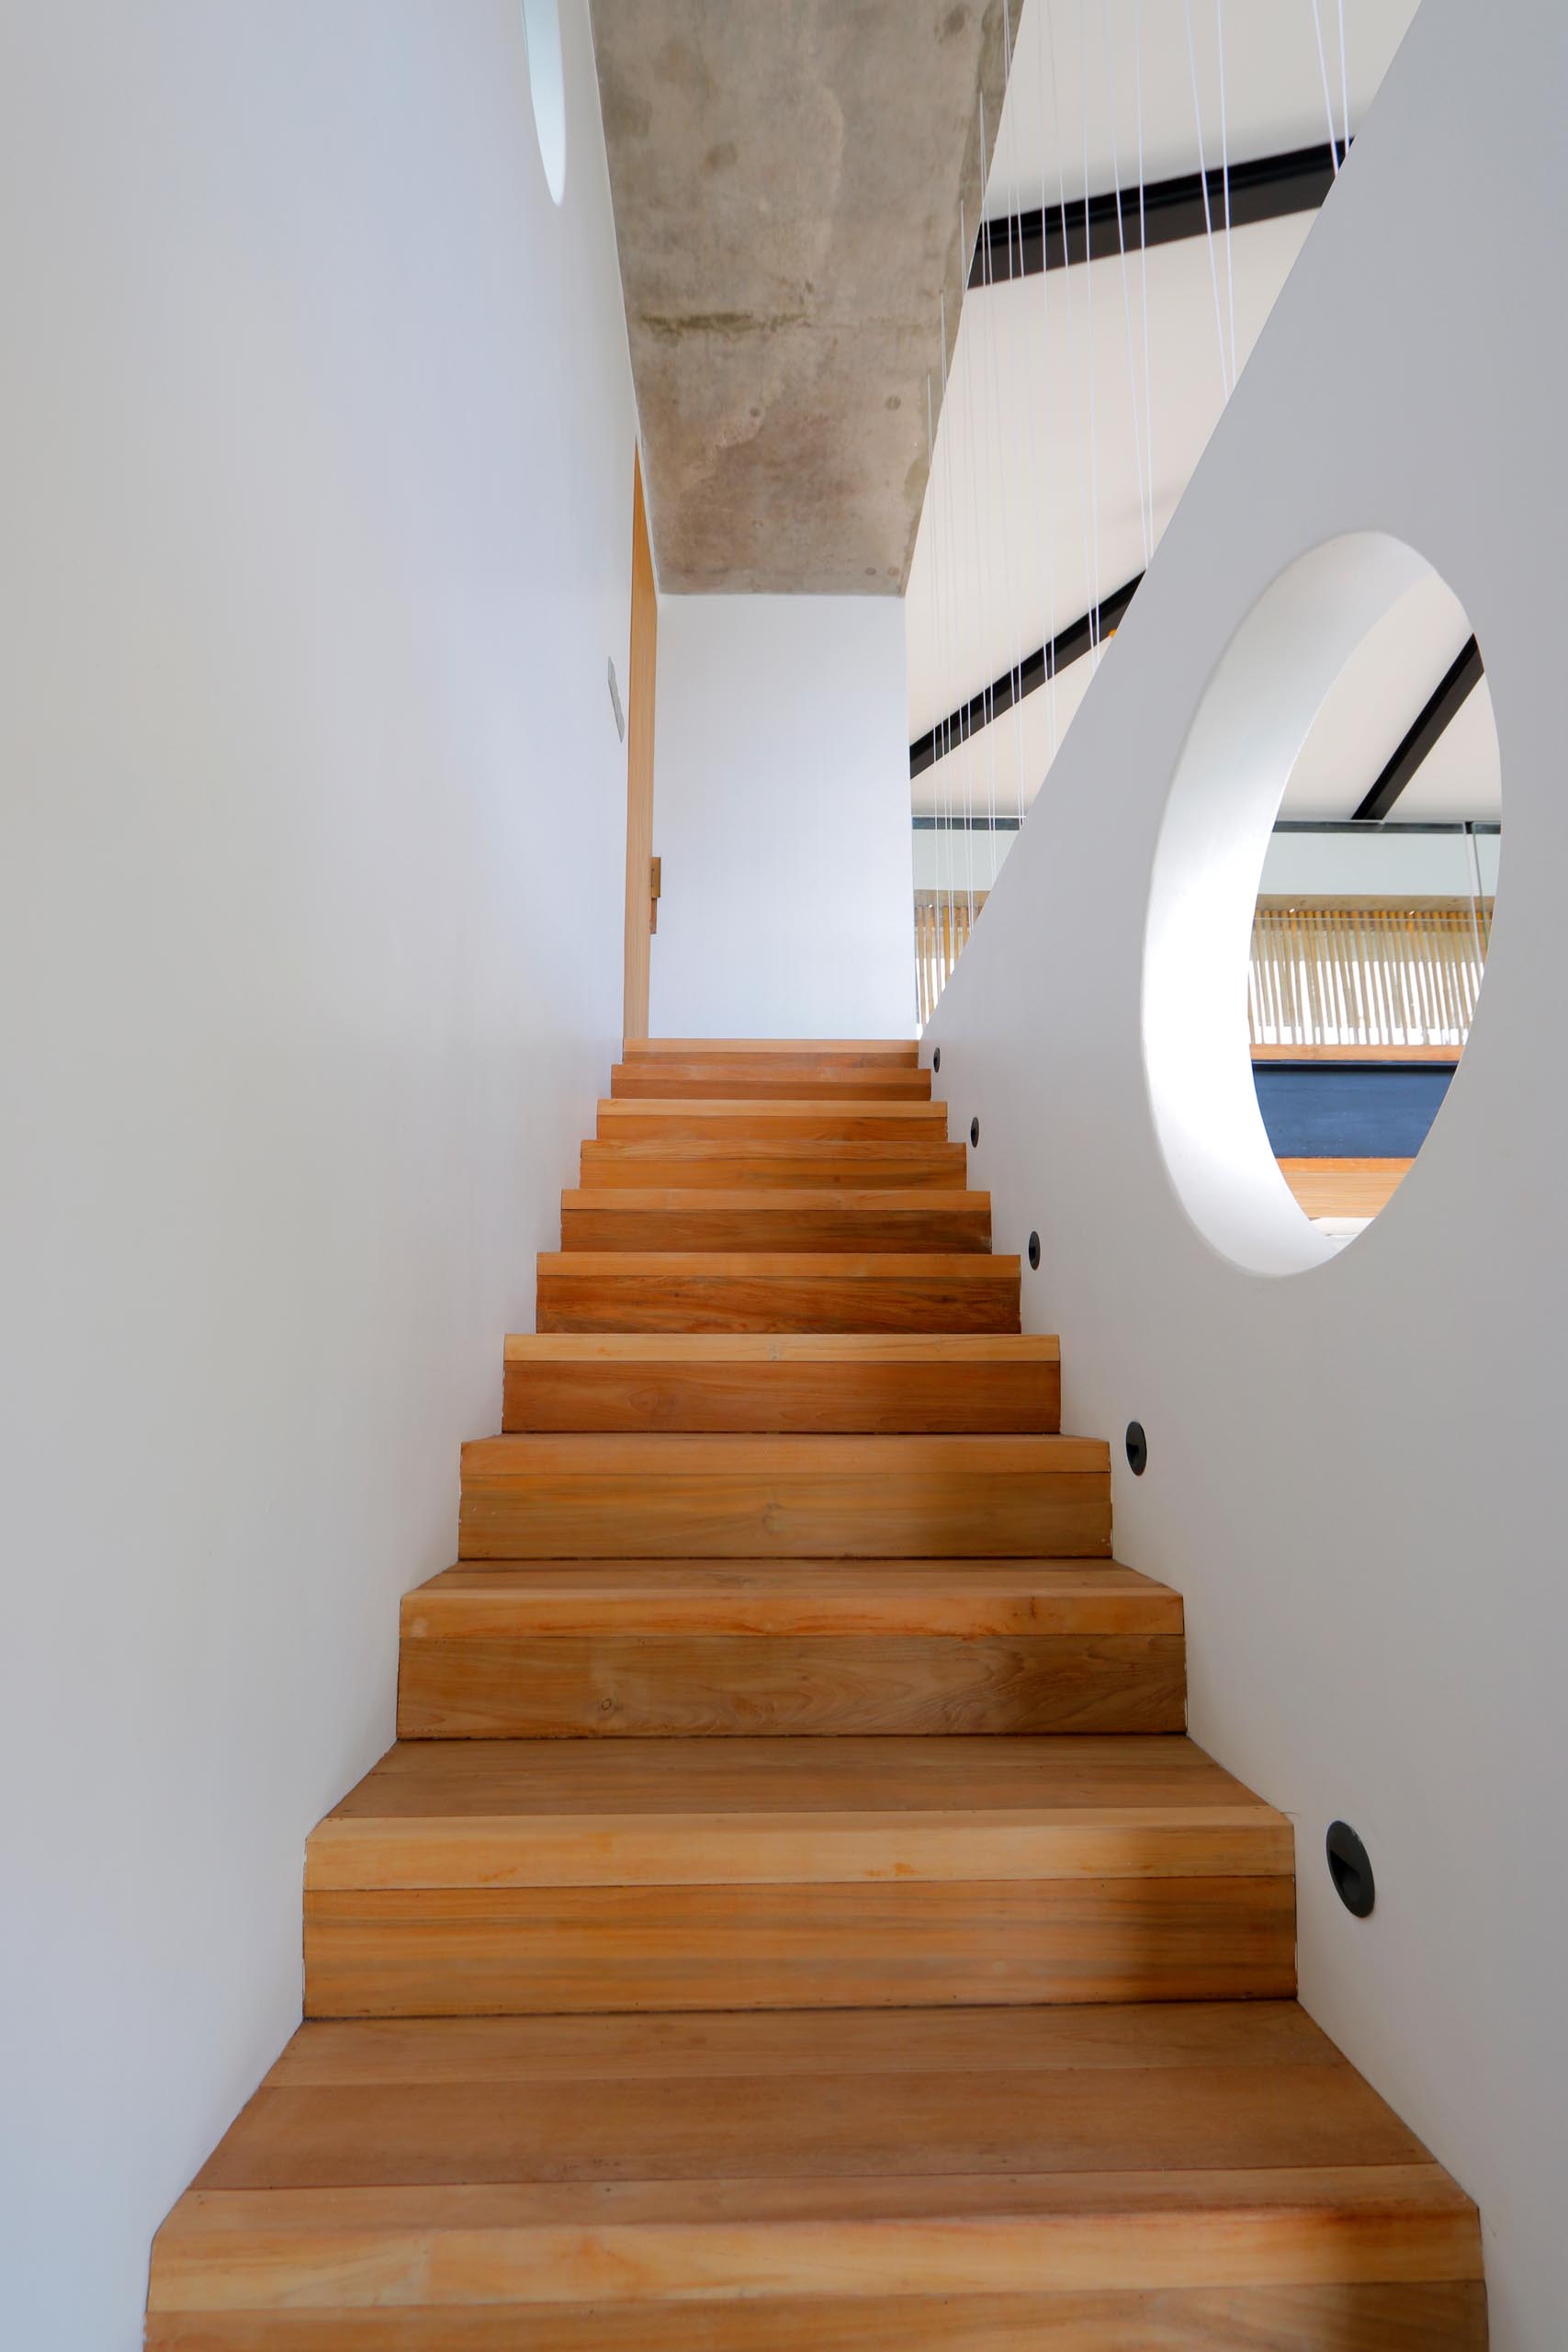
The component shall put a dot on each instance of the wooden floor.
(793, 1917)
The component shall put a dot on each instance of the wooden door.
(640, 913)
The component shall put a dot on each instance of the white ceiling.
(1080, 400)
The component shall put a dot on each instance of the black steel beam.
(1098, 228)
(1069, 644)
(1464, 672)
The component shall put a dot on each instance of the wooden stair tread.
(1075, 1781)
(642, 1454)
(636, 1649)
(868, 1266)
(795, 2172)
(757, 1200)
(485, 1876)
(776, 2096)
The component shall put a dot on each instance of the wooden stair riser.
(785, 1497)
(782, 1165)
(784, 1221)
(411, 1951)
(740, 1291)
(645, 1685)
(764, 1082)
(982, 1387)
(719, 1122)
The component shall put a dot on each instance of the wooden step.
(663, 1497)
(879, 1052)
(481, 1876)
(989, 1385)
(565, 1649)
(624, 1290)
(727, 1167)
(620, 1218)
(767, 1079)
(1209, 2179)
(690, 1120)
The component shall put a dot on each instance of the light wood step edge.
(900, 1049)
(791, 1598)
(624, 2244)
(745, 1083)
(368, 1852)
(950, 1349)
(904, 1117)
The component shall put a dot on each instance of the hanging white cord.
(1094, 644)
(1126, 289)
(1344, 81)
(985, 367)
(1328, 101)
(1073, 329)
(951, 744)
(1226, 178)
(1144, 264)
(1049, 518)
(1208, 216)
(968, 345)
(1015, 599)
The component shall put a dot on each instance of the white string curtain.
(1044, 496)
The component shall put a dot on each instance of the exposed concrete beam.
(786, 177)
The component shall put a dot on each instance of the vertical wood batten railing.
(943, 921)
(1347, 972)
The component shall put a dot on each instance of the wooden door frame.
(641, 675)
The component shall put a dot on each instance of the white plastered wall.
(316, 477)
(1353, 1470)
(781, 813)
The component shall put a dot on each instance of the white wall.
(316, 478)
(780, 810)
(1353, 1470)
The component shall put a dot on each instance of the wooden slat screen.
(1323, 972)
(943, 921)
(1348, 972)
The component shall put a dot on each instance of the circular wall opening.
(546, 84)
(1321, 906)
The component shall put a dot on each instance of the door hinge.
(656, 889)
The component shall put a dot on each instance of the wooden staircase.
(792, 1918)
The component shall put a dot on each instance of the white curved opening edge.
(547, 85)
(1246, 733)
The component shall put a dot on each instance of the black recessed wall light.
(1350, 1868)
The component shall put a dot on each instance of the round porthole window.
(1320, 915)
(541, 37)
